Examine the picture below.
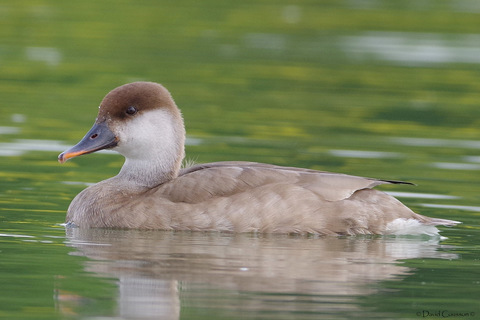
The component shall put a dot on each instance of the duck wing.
(222, 179)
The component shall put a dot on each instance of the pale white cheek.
(145, 133)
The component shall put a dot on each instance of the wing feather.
(222, 179)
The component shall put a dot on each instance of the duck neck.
(159, 166)
(139, 174)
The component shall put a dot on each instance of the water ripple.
(449, 206)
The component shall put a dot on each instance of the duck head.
(141, 121)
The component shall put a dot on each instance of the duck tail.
(441, 222)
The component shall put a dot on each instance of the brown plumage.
(141, 121)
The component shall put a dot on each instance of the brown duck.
(141, 121)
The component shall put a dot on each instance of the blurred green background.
(388, 89)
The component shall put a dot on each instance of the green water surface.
(385, 89)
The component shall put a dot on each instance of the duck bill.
(98, 138)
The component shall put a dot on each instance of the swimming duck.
(141, 121)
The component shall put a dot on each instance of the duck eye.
(131, 110)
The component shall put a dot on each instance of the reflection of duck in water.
(141, 121)
(173, 273)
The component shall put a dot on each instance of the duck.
(141, 121)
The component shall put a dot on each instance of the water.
(350, 86)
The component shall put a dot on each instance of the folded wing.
(222, 179)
